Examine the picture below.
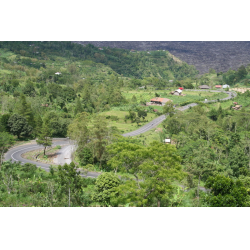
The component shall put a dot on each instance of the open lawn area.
(145, 96)
(117, 119)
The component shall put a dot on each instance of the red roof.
(217, 86)
(181, 88)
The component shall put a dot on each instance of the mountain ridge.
(204, 55)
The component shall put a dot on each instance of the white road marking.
(20, 150)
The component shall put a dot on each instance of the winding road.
(64, 154)
(154, 123)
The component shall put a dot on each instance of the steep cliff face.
(203, 55)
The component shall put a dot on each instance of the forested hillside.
(93, 95)
(219, 55)
(123, 62)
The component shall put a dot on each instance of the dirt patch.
(38, 156)
(241, 90)
(158, 130)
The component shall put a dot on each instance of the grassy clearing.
(149, 136)
(144, 95)
(123, 126)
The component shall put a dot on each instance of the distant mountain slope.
(203, 55)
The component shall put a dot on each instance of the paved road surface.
(15, 154)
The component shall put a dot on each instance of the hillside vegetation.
(93, 95)
(221, 56)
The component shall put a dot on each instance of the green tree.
(85, 155)
(78, 108)
(68, 94)
(100, 138)
(134, 99)
(142, 113)
(242, 72)
(24, 109)
(105, 188)
(132, 115)
(6, 141)
(19, 126)
(173, 126)
(155, 168)
(225, 192)
(8, 175)
(168, 108)
(44, 138)
(78, 129)
(4, 122)
(29, 89)
(71, 182)
(213, 114)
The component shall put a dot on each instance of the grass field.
(144, 95)
(123, 126)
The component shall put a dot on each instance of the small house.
(225, 86)
(100, 48)
(58, 73)
(181, 88)
(177, 92)
(204, 87)
(218, 86)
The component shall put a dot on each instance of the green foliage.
(226, 193)
(70, 181)
(85, 155)
(168, 108)
(4, 122)
(6, 141)
(44, 138)
(158, 165)
(19, 126)
(105, 188)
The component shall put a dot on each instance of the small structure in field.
(218, 86)
(58, 73)
(237, 107)
(159, 101)
(167, 141)
(225, 86)
(177, 92)
(204, 87)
